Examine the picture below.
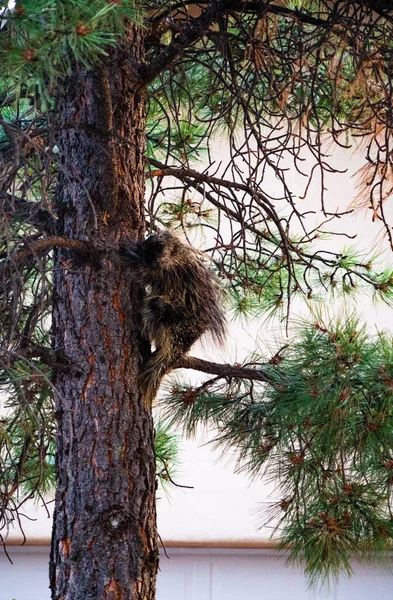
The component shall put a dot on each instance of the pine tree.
(97, 98)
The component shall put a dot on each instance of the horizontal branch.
(291, 13)
(48, 356)
(246, 223)
(224, 370)
(255, 7)
(43, 244)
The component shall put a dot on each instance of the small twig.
(163, 546)
(2, 542)
(179, 485)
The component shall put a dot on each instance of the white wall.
(257, 575)
(206, 575)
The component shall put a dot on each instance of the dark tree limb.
(48, 356)
(182, 173)
(47, 243)
(191, 33)
(224, 370)
(252, 8)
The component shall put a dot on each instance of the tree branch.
(182, 173)
(44, 244)
(259, 197)
(194, 30)
(190, 34)
(198, 27)
(224, 370)
(51, 358)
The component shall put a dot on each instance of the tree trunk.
(104, 532)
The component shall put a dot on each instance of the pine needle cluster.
(40, 40)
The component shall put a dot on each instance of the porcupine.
(183, 302)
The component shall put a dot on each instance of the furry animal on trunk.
(183, 302)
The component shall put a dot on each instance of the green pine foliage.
(263, 286)
(27, 435)
(322, 429)
(41, 39)
(167, 454)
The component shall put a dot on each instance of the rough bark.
(104, 532)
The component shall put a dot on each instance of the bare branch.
(48, 356)
(182, 173)
(48, 243)
(224, 370)
(190, 34)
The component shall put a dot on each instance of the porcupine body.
(183, 302)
